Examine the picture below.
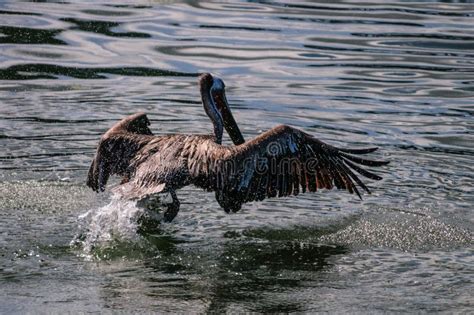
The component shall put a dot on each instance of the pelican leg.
(173, 208)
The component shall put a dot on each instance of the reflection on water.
(44, 71)
(399, 76)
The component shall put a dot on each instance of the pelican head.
(217, 108)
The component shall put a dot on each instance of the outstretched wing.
(116, 148)
(158, 167)
(283, 162)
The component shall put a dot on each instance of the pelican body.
(281, 162)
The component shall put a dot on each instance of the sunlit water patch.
(403, 229)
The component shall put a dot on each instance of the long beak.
(229, 122)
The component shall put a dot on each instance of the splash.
(111, 226)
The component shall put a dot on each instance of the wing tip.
(365, 162)
(93, 185)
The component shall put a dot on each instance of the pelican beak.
(229, 122)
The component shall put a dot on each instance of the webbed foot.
(173, 208)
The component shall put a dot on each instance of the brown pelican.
(281, 162)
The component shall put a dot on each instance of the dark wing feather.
(116, 148)
(285, 161)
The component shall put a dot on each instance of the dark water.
(399, 76)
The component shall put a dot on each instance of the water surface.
(399, 76)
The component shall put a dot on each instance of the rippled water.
(399, 76)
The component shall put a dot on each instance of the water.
(399, 76)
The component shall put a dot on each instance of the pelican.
(281, 162)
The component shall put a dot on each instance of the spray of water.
(110, 226)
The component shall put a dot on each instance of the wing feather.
(116, 148)
(295, 162)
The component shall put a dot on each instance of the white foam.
(117, 221)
